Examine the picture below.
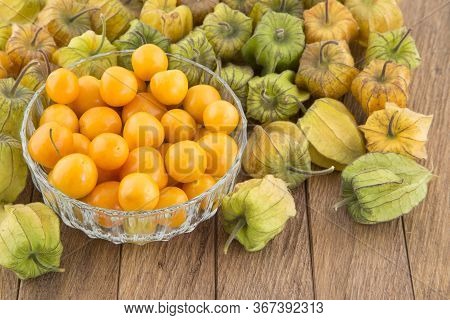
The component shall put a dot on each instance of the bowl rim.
(134, 213)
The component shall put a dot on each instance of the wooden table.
(321, 254)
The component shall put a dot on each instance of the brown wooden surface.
(321, 254)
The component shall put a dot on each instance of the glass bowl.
(138, 227)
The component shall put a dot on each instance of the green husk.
(261, 7)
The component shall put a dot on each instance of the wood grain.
(182, 268)
(427, 227)
(91, 270)
(281, 271)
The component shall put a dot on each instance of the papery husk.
(237, 77)
(261, 7)
(375, 16)
(311, 3)
(66, 19)
(244, 6)
(116, 15)
(13, 169)
(397, 130)
(20, 11)
(164, 15)
(227, 30)
(30, 242)
(326, 69)
(5, 33)
(381, 82)
(87, 45)
(194, 47)
(380, 187)
(332, 133)
(14, 98)
(137, 35)
(134, 6)
(280, 149)
(254, 222)
(396, 45)
(37, 74)
(340, 25)
(25, 43)
(276, 44)
(274, 97)
(199, 8)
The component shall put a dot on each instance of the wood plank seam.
(407, 257)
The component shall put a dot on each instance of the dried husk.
(137, 35)
(194, 47)
(254, 222)
(396, 45)
(13, 169)
(87, 45)
(397, 130)
(37, 74)
(329, 20)
(244, 6)
(311, 3)
(27, 41)
(381, 82)
(134, 6)
(14, 98)
(261, 7)
(116, 15)
(66, 19)
(380, 187)
(5, 33)
(276, 44)
(326, 69)
(274, 97)
(30, 242)
(375, 16)
(227, 30)
(332, 133)
(20, 11)
(199, 8)
(164, 15)
(237, 77)
(279, 149)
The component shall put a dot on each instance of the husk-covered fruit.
(398, 130)
(396, 45)
(199, 8)
(30, 242)
(329, 20)
(134, 6)
(194, 47)
(261, 7)
(5, 33)
(244, 6)
(26, 41)
(277, 43)
(254, 222)
(65, 19)
(13, 169)
(311, 3)
(274, 97)
(116, 15)
(20, 11)
(14, 98)
(326, 69)
(375, 16)
(237, 77)
(380, 187)
(381, 82)
(137, 35)
(279, 149)
(334, 139)
(227, 30)
(175, 22)
(87, 45)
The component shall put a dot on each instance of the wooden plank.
(182, 268)
(281, 271)
(91, 270)
(427, 227)
(9, 283)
